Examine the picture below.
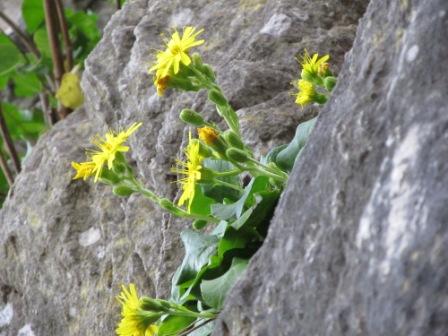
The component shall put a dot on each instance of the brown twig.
(65, 36)
(27, 42)
(5, 169)
(8, 142)
(118, 4)
(56, 55)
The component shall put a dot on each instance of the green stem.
(228, 173)
(272, 170)
(224, 111)
(230, 185)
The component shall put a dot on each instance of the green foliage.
(287, 156)
(33, 14)
(214, 291)
(10, 56)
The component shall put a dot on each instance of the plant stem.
(229, 185)
(118, 3)
(8, 141)
(65, 36)
(203, 323)
(27, 42)
(227, 173)
(6, 170)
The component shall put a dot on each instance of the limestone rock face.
(66, 246)
(359, 242)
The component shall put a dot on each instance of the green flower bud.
(191, 117)
(237, 155)
(208, 71)
(110, 177)
(199, 224)
(329, 83)
(233, 139)
(196, 58)
(123, 191)
(217, 97)
(154, 305)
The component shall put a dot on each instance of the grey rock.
(66, 246)
(359, 241)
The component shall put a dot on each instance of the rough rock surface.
(66, 246)
(359, 242)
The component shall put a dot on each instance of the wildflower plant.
(211, 176)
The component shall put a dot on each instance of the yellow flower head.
(208, 135)
(314, 66)
(69, 93)
(84, 169)
(191, 170)
(176, 52)
(134, 321)
(109, 146)
(306, 93)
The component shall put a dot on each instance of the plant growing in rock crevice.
(211, 178)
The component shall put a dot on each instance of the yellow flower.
(69, 93)
(306, 93)
(83, 170)
(192, 171)
(134, 321)
(314, 66)
(176, 52)
(208, 135)
(109, 146)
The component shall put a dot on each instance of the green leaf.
(33, 14)
(26, 84)
(217, 191)
(215, 291)
(3, 81)
(10, 55)
(174, 324)
(200, 204)
(199, 247)
(285, 159)
(41, 40)
(227, 211)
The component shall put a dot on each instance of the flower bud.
(108, 176)
(237, 155)
(329, 83)
(208, 71)
(217, 97)
(233, 139)
(123, 191)
(191, 117)
(199, 224)
(154, 305)
(196, 58)
(208, 135)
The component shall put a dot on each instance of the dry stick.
(65, 36)
(8, 142)
(186, 332)
(22, 37)
(58, 64)
(6, 170)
